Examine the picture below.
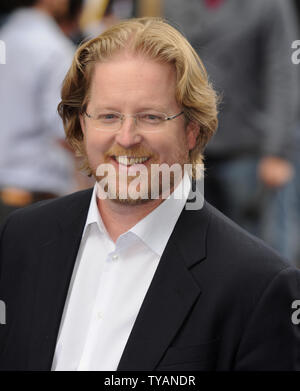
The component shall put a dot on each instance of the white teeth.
(128, 161)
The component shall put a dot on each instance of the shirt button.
(115, 257)
(99, 315)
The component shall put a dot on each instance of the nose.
(128, 134)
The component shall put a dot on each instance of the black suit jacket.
(219, 300)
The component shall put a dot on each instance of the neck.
(119, 218)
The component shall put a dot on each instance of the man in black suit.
(121, 277)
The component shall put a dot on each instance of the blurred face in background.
(131, 84)
(57, 8)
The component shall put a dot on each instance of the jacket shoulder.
(41, 214)
(241, 253)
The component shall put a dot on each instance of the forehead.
(133, 79)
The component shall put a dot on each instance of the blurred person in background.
(35, 163)
(295, 197)
(296, 143)
(98, 15)
(245, 46)
(5, 9)
(70, 21)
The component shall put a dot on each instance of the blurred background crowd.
(253, 161)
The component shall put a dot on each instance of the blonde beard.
(180, 156)
(140, 189)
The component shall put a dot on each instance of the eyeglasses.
(144, 121)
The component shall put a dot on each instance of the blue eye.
(108, 117)
(151, 118)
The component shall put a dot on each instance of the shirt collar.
(156, 228)
(94, 216)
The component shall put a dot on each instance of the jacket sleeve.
(3, 227)
(271, 340)
(3, 304)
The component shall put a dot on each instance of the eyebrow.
(147, 108)
(158, 109)
(98, 108)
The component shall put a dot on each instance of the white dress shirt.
(109, 283)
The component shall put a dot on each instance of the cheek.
(178, 143)
(97, 144)
(159, 144)
(170, 147)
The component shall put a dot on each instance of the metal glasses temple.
(174, 116)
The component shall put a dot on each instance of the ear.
(192, 131)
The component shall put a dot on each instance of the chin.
(130, 201)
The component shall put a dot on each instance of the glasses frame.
(123, 116)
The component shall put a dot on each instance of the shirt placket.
(101, 307)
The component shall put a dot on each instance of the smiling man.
(113, 279)
(143, 139)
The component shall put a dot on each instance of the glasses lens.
(150, 121)
(145, 121)
(107, 121)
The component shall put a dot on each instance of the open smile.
(130, 161)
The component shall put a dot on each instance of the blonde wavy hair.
(158, 40)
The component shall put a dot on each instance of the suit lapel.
(57, 258)
(171, 295)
